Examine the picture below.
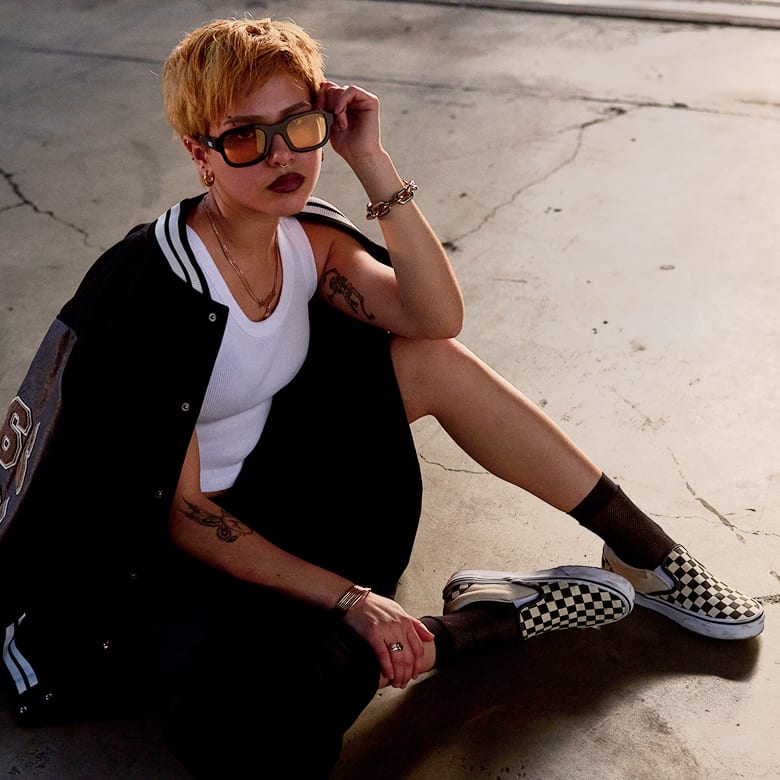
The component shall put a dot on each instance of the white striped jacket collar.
(170, 230)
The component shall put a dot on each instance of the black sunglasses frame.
(218, 143)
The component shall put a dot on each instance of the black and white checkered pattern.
(698, 591)
(561, 604)
(686, 592)
(569, 605)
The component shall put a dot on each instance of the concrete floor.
(608, 190)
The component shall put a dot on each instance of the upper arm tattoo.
(229, 528)
(340, 285)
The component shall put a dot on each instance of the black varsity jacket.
(92, 446)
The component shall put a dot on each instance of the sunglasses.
(250, 144)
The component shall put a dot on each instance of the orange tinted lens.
(307, 131)
(245, 145)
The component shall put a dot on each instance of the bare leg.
(495, 424)
(491, 420)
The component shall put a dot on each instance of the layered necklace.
(264, 304)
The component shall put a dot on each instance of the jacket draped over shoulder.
(92, 446)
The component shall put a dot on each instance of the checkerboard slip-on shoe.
(550, 600)
(685, 591)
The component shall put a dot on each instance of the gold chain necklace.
(265, 303)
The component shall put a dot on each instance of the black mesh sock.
(472, 628)
(633, 536)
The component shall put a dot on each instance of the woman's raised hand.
(385, 625)
(355, 134)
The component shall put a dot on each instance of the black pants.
(253, 685)
(256, 685)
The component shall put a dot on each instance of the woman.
(270, 621)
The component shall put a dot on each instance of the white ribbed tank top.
(255, 360)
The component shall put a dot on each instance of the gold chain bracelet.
(382, 207)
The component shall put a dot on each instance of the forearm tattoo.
(229, 528)
(340, 285)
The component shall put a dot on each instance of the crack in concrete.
(710, 508)
(617, 108)
(732, 526)
(449, 468)
(706, 504)
(763, 103)
(736, 528)
(525, 90)
(648, 421)
(754, 533)
(676, 105)
(773, 599)
(25, 201)
(580, 130)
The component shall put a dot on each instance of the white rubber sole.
(715, 629)
(651, 586)
(521, 585)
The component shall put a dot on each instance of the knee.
(420, 367)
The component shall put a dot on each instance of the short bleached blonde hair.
(215, 65)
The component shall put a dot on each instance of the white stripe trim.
(159, 232)
(166, 230)
(324, 209)
(16, 675)
(21, 671)
(177, 253)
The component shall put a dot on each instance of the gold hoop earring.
(208, 178)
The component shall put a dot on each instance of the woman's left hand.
(396, 637)
(355, 133)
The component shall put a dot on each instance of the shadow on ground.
(574, 692)
(507, 703)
